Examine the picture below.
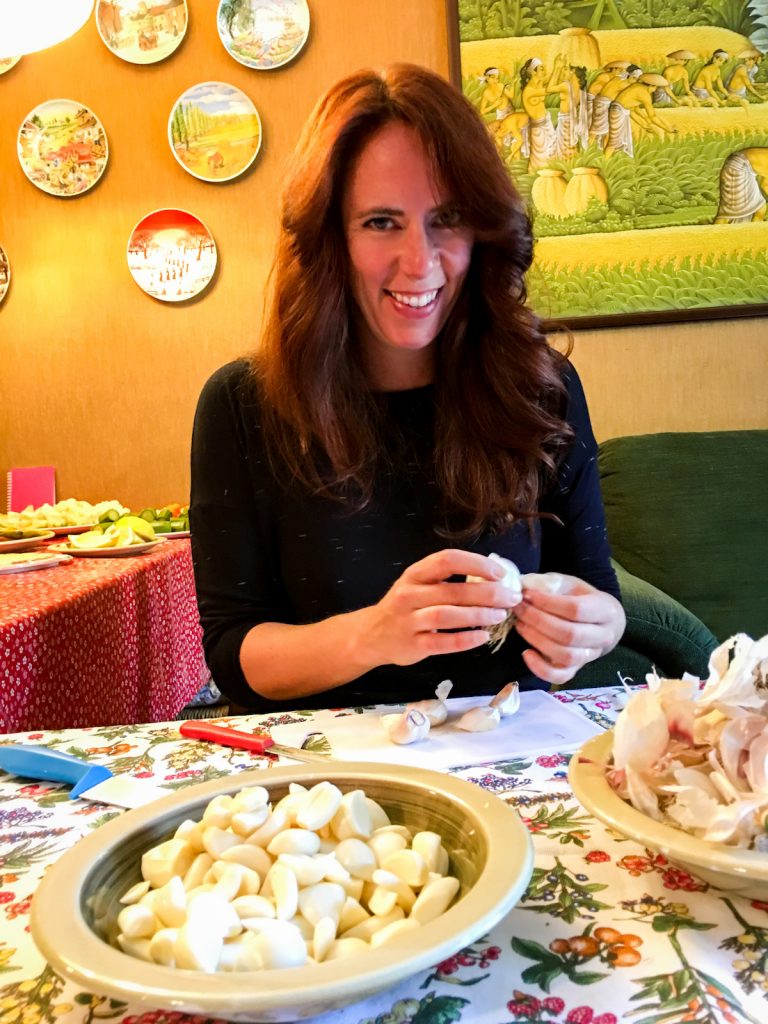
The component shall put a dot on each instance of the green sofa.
(687, 517)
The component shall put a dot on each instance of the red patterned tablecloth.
(100, 641)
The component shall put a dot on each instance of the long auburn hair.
(498, 387)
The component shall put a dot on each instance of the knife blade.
(258, 742)
(90, 781)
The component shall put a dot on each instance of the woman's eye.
(379, 223)
(450, 218)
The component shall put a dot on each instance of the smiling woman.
(402, 419)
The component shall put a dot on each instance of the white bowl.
(75, 909)
(734, 870)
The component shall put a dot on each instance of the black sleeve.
(576, 542)
(235, 577)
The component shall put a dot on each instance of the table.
(606, 931)
(100, 640)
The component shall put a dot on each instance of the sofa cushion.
(688, 512)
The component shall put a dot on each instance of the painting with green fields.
(637, 134)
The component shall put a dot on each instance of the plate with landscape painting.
(140, 31)
(263, 34)
(62, 147)
(6, 63)
(214, 131)
(5, 273)
(171, 255)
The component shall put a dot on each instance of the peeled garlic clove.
(192, 833)
(409, 866)
(279, 943)
(245, 823)
(352, 819)
(549, 582)
(385, 843)
(294, 840)
(382, 900)
(135, 947)
(357, 857)
(325, 899)
(250, 799)
(170, 903)
(434, 899)
(213, 915)
(409, 727)
(479, 719)
(366, 929)
(507, 700)
(197, 948)
(320, 805)
(216, 840)
(352, 913)
(405, 895)
(253, 906)
(429, 845)
(264, 834)
(219, 812)
(379, 817)
(162, 862)
(285, 891)
(137, 922)
(323, 937)
(344, 947)
(197, 871)
(392, 930)
(161, 947)
(134, 894)
(308, 870)
(249, 856)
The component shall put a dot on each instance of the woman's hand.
(402, 628)
(568, 629)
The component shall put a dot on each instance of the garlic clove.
(161, 863)
(549, 582)
(134, 894)
(434, 899)
(481, 719)
(507, 700)
(319, 806)
(344, 947)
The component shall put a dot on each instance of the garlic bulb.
(481, 719)
(507, 700)
(434, 709)
(408, 727)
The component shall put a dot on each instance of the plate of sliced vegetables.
(23, 540)
(61, 531)
(118, 551)
(128, 536)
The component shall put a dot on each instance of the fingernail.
(498, 615)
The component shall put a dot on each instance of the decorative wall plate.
(6, 63)
(140, 31)
(263, 34)
(214, 131)
(62, 147)
(171, 255)
(5, 272)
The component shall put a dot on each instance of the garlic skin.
(434, 709)
(481, 719)
(409, 727)
(507, 700)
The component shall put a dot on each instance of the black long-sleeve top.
(266, 552)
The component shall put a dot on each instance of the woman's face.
(409, 255)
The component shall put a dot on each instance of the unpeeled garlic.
(481, 719)
(511, 579)
(407, 727)
(507, 700)
(435, 709)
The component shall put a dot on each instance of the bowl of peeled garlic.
(276, 895)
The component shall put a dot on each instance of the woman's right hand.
(404, 626)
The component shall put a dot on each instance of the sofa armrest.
(662, 629)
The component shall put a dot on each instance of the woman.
(402, 419)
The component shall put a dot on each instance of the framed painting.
(637, 134)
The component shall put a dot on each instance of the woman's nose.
(417, 255)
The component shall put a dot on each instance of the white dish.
(734, 870)
(74, 911)
(178, 535)
(262, 34)
(62, 147)
(61, 531)
(42, 563)
(232, 136)
(26, 543)
(117, 552)
(140, 35)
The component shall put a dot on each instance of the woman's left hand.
(567, 629)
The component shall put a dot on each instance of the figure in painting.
(708, 86)
(741, 79)
(599, 127)
(743, 187)
(497, 97)
(633, 105)
(678, 93)
(542, 137)
(572, 126)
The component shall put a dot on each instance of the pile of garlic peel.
(322, 875)
(697, 756)
(517, 583)
(415, 722)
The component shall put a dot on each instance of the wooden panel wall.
(101, 381)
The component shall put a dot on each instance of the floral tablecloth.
(100, 640)
(607, 931)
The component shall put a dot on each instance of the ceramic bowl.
(729, 868)
(75, 909)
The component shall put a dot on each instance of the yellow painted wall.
(101, 381)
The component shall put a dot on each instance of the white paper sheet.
(542, 724)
